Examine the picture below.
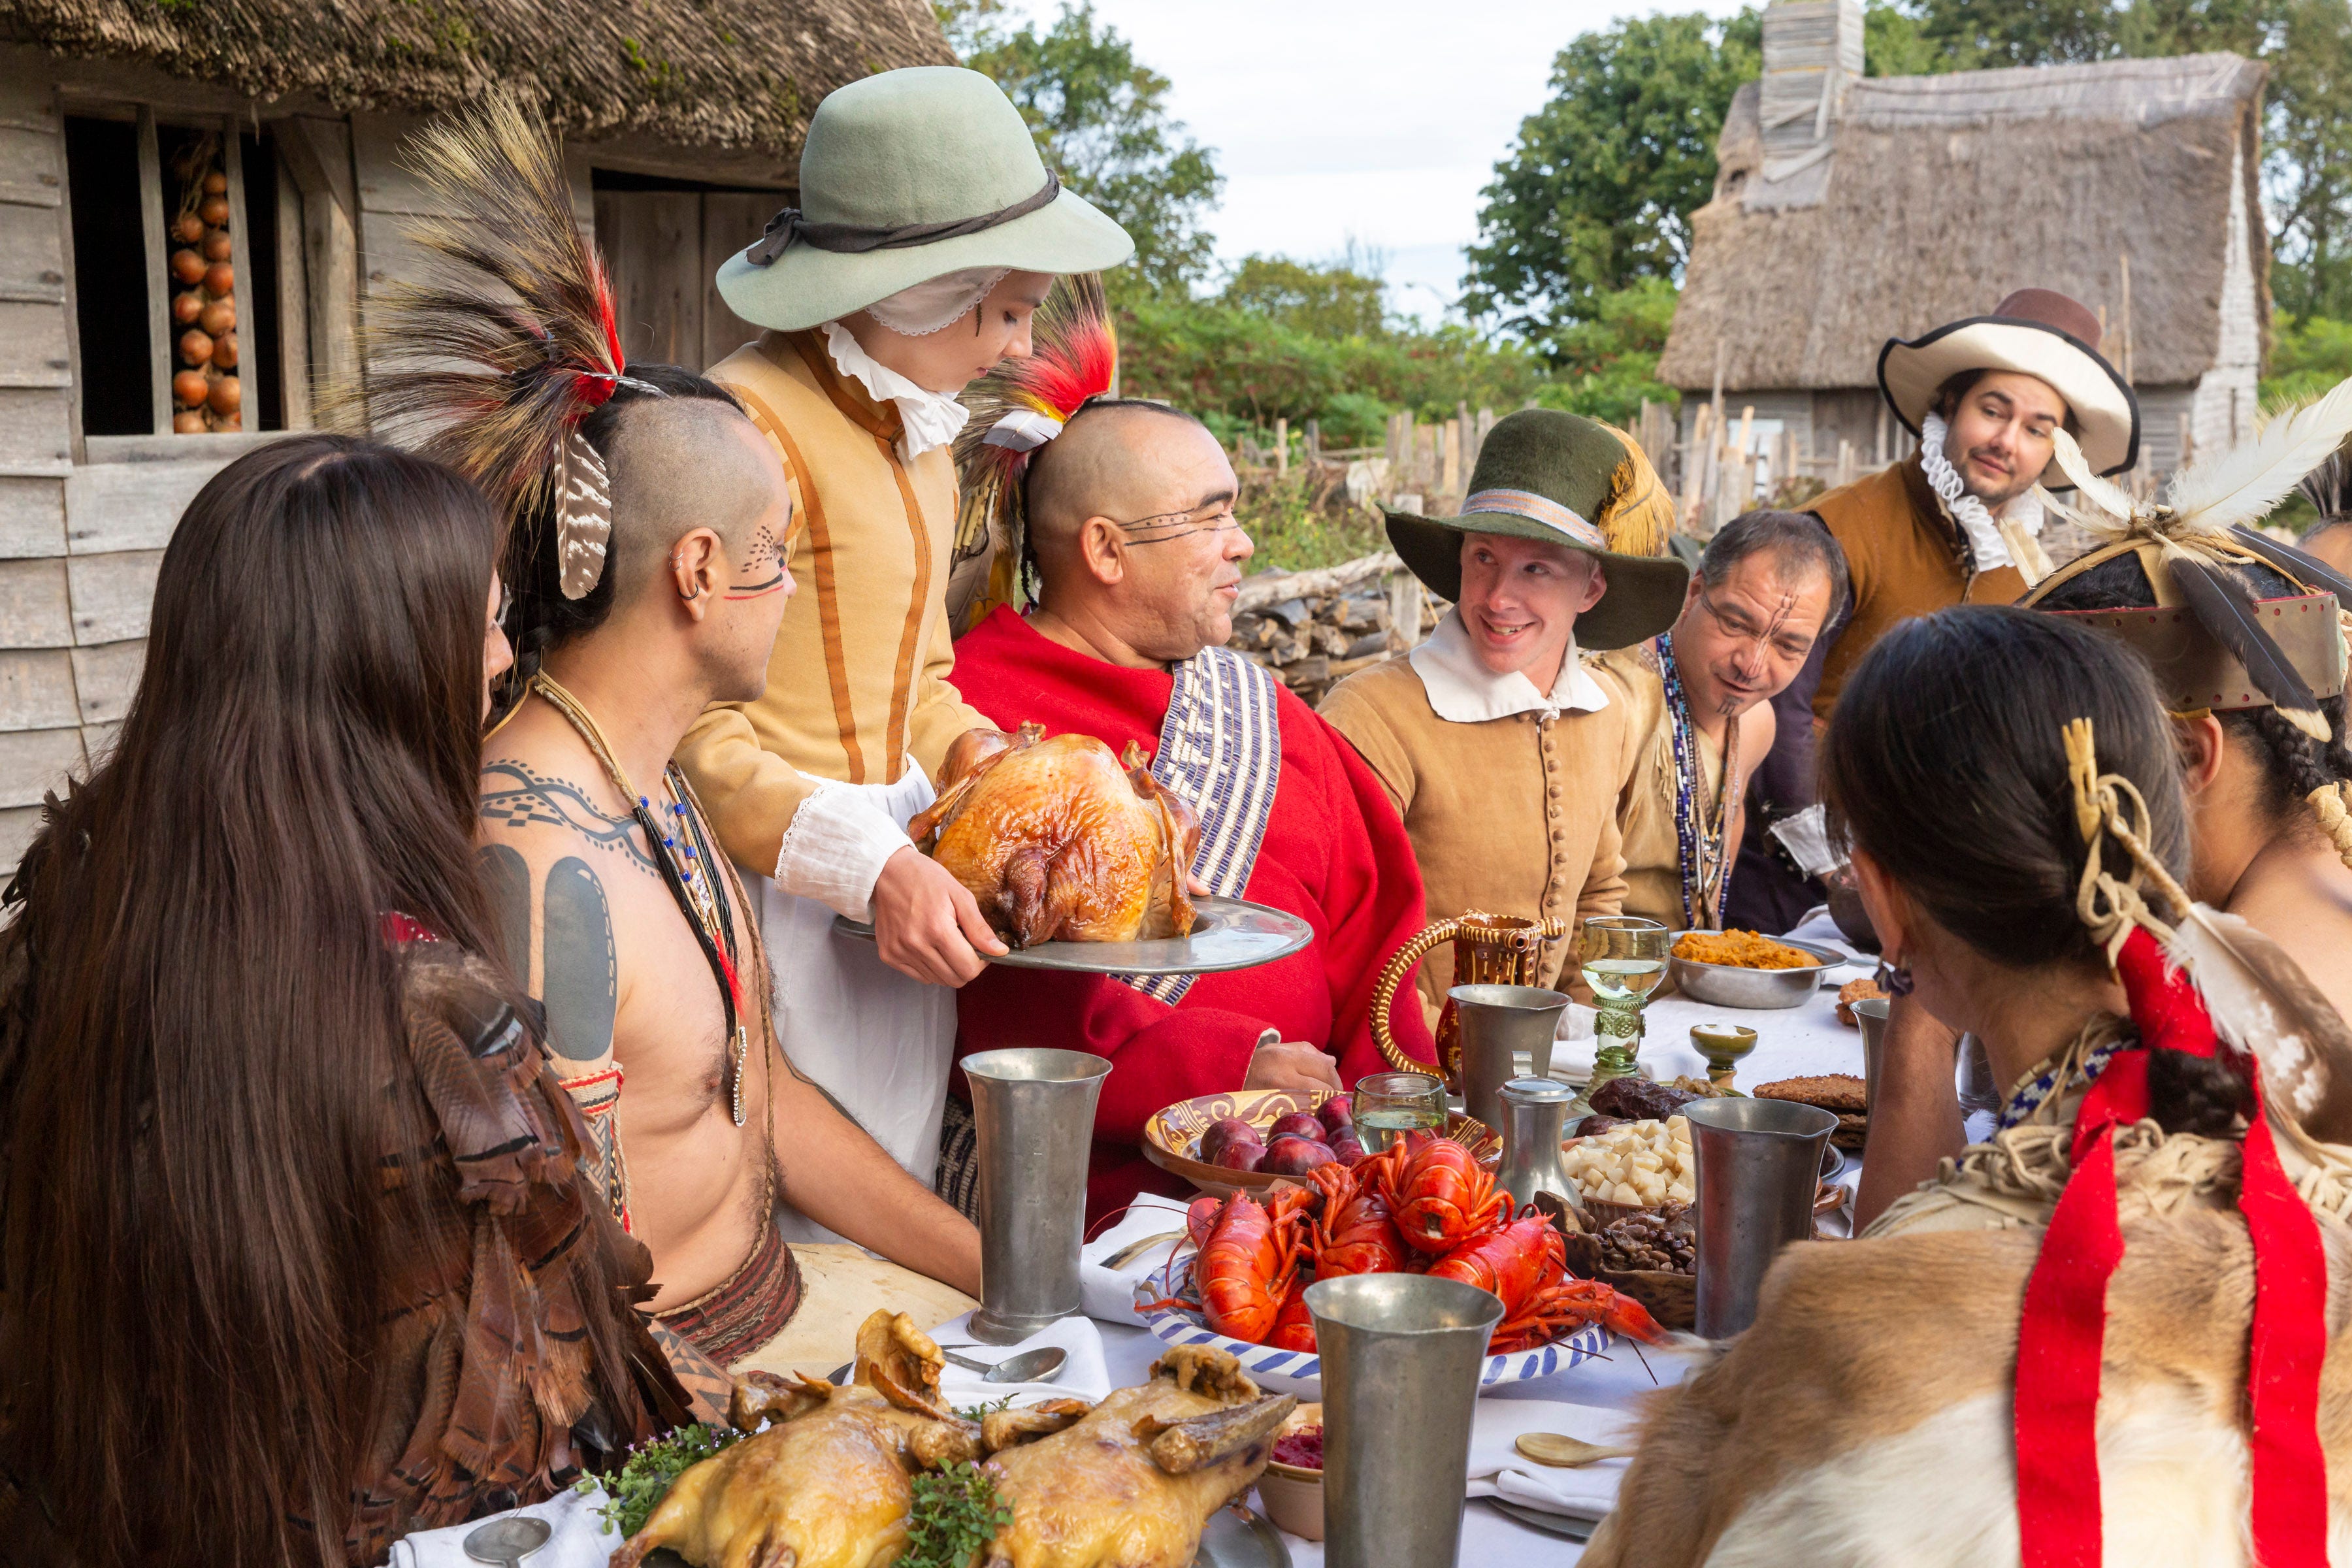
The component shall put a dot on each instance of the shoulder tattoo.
(514, 796)
(579, 974)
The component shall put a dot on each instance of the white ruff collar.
(1464, 692)
(932, 418)
(2012, 539)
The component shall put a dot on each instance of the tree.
(1336, 300)
(1101, 121)
(1599, 188)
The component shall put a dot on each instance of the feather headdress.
(490, 364)
(2189, 544)
(1022, 404)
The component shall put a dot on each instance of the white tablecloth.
(1791, 1042)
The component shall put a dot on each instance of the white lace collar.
(2011, 538)
(1464, 692)
(931, 418)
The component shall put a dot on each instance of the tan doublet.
(857, 684)
(1514, 816)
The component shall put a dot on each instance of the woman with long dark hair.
(2043, 1356)
(299, 1253)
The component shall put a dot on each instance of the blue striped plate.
(1301, 1372)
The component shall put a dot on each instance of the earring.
(1896, 976)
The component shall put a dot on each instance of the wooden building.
(1849, 209)
(268, 129)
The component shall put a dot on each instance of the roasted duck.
(1133, 1482)
(1129, 1483)
(828, 1484)
(1060, 841)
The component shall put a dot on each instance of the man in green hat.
(1501, 753)
(929, 232)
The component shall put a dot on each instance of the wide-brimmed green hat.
(905, 176)
(1549, 476)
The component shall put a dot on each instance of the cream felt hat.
(905, 176)
(2037, 332)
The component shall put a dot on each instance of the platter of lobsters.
(1425, 1205)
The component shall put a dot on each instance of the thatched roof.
(738, 74)
(1935, 195)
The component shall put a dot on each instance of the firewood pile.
(1314, 629)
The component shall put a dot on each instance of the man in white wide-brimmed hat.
(1958, 521)
(929, 231)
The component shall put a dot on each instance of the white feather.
(2243, 484)
(2246, 1014)
(2111, 498)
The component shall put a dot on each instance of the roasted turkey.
(1061, 841)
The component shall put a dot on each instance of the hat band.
(791, 226)
(2192, 668)
(1535, 509)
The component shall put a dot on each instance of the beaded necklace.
(1699, 835)
(683, 856)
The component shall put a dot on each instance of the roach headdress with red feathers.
(1018, 407)
(491, 363)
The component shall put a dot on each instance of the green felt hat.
(907, 175)
(1549, 476)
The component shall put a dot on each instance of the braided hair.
(1966, 801)
(2298, 772)
(541, 619)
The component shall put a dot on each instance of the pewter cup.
(1036, 1115)
(1401, 1354)
(1498, 1022)
(1871, 1014)
(1759, 1165)
(1535, 1113)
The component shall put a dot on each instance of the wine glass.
(1624, 958)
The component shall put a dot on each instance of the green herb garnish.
(974, 1412)
(956, 1514)
(641, 1482)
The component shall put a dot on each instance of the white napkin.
(581, 1539)
(1085, 1375)
(1806, 836)
(1110, 1294)
(1498, 1469)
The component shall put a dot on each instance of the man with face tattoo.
(1701, 694)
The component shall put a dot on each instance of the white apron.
(879, 1041)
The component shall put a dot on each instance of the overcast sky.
(1377, 121)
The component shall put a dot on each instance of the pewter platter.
(1235, 1537)
(1238, 1536)
(1228, 933)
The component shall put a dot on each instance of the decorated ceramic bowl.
(1301, 1372)
(1172, 1138)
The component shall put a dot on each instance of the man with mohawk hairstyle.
(649, 524)
(929, 232)
(1121, 512)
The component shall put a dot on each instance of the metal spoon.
(508, 1540)
(1561, 1451)
(1041, 1365)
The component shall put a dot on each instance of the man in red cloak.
(1130, 530)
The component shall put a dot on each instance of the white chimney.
(1813, 49)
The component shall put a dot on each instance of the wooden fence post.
(1281, 446)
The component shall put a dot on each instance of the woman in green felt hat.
(1502, 753)
(927, 232)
